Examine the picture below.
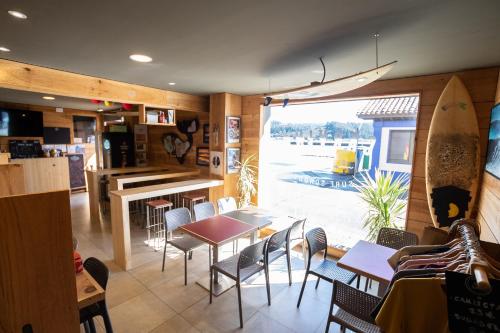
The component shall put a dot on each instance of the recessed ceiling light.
(18, 14)
(49, 98)
(140, 58)
(362, 79)
(100, 110)
(171, 83)
(4, 49)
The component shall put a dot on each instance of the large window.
(401, 143)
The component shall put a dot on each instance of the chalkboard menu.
(471, 310)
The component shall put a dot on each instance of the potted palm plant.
(385, 198)
(247, 181)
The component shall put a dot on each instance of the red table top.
(370, 260)
(218, 230)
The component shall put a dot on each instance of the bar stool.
(155, 212)
(192, 198)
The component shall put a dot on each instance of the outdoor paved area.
(297, 180)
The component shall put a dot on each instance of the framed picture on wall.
(493, 155)
(202, 156)
(233, 129)
(233, 160)
(216, 167)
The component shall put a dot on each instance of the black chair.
(203, 210)
(353, 309)
(242, 266)
(277, 246)
(174, 219)
(327, 269)
(395, 239)
(98, 270)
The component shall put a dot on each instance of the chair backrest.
(354, 301)
(316, 241)
(203, 210)
(277, 240)
(396, 238)
(176, 217)
(250, 255)
(296, 231)
(98, 270)
(227, 204)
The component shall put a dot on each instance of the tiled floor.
(148, 300)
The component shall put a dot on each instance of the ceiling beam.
(19, 76)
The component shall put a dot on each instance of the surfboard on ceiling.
(452, 156)
(333, 87)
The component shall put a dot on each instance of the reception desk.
(120, 215)
(44, 174)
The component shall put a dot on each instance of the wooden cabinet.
(45, 174)
(37, 280)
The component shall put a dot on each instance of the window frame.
(384, 150)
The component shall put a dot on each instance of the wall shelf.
(147, 113)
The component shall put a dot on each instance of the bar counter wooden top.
(120, 216)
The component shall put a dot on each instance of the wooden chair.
(242, 266)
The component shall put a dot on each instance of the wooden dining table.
(370, 260)
(88, 291)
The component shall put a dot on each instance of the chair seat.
(329, 271)
(160, 203)
(354, 323)
(276, 254)
(185, 242)
(194, 196)
(229, 267)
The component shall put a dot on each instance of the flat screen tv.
(21, 123)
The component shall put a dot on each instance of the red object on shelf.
(161, 117)
(78, 262)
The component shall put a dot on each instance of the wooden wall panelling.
(15, 75)
(481, 84)
(37, 280)
(11, 180)
(157, 155)
(489, 199)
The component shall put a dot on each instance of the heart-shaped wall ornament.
(175, 146)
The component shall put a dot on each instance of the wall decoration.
(493, 155)
(233, 160)
(188, 127)
(215, 134)
(206, 134)
(216, 163)
(233, 129)
(202, 156)
(174, 146)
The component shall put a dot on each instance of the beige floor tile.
(140, 314)
(176, 324)
(261, 323)
(178, 296)
(150, 274)
(121, 287)
(313, 309)
(220, 316)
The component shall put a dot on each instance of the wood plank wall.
(157, 153)
(489, 201)
(51, 118)
(481, 83)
